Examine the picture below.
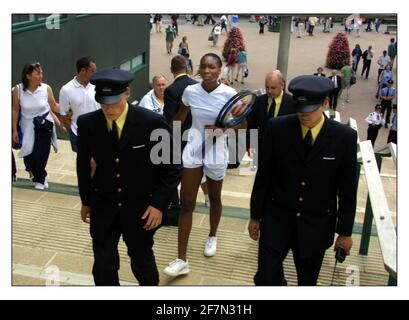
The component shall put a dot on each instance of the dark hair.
(378, 106)
(215, 57)
(178, 64)
(84, 62)
(392, 39)
(395, 106)
(28, 69)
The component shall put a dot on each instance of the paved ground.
(49, 239)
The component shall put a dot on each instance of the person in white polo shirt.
(154, 99)
(78, 97)
(383, 61)
(204, 100)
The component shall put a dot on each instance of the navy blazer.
(314, 195)
(173, 99)
(125, 174)
(339, 81)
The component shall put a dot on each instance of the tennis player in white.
(204, 100)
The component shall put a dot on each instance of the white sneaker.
(39, 186)
(177, 267)
(46, 182)
(210, 246)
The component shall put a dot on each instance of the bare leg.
(190, 185)
(215, 190)
(204, 188)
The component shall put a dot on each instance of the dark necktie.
(114, 133)
(307, 142)
(271, 110)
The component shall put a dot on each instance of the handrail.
(352, 123)
(383, 220)
(388, 150)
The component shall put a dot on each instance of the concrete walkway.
(50, 242)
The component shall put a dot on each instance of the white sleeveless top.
(33, 104)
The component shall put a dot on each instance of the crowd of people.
(112, 141)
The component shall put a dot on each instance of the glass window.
(19, 18)
(138, 61)
(126, 65)
(42, 16)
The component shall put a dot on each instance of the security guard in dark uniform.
(128, 192)
(302, 195)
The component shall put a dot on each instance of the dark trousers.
(355, 65)
(333, 99)
(366, 67)
(37, 160)
(373, 133)
(387, 106)
(175, 25)
(107, 225)
(270, 265)
(379, 73)
(175, 200)
(393, 136)
(74, 141)
(209, 19)
(13, 165)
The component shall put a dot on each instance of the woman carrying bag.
(34, 99)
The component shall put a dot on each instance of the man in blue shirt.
(393, 132)
(387, 95)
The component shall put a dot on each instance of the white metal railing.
(379, 205)
(388, 150)
(380, 209)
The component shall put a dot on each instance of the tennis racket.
(234, 111)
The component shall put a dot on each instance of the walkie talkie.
(339, 257)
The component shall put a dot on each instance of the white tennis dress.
(205, 108)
